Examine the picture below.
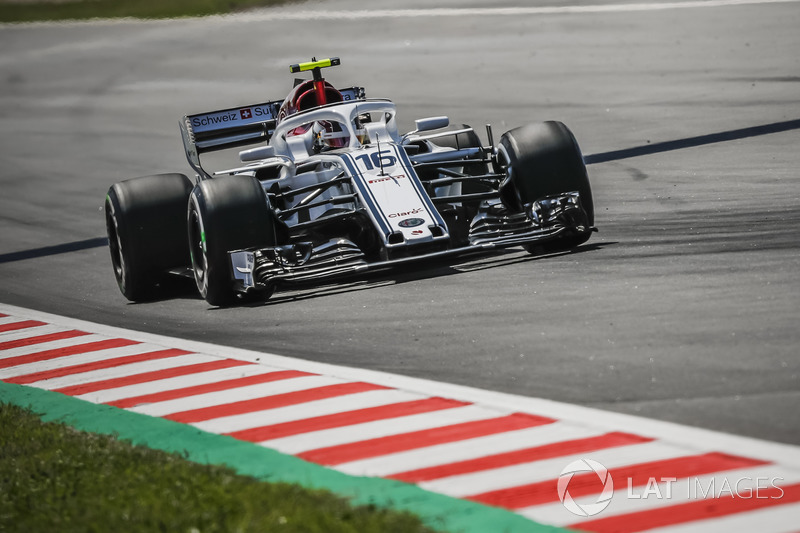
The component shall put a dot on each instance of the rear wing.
(238, 126)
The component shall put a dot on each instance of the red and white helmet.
(304, 97)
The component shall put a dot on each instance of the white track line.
(380, 428)
(78, 359)
(236, 394)
(51, 345)
(166, 384)
(91, 376)
(538, 471)
(291, 413)
(292, 14)
(451, 452)
(266, 16)
(17, 334)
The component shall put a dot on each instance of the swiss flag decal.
(246, 113)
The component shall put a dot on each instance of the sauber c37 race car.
(332, 188)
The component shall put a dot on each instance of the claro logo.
(578, 467)
(407, 213)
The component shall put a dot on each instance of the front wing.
(546, 220)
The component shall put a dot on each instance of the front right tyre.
(225, 214)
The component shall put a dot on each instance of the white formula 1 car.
(332, 188)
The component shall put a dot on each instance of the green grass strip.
(55, 478)
(146, 9)
(435, 510)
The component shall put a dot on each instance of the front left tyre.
(145, 223)
(543, 159)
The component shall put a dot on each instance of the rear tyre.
(544, 159)
(145, 222)
(225, 214)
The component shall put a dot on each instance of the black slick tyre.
(145, 223)
(225, 214)
(544, 159)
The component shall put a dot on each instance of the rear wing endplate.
(238, 126)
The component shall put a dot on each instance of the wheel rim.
(197, 250)
(509, 194)
(115, 246)
(503, 160)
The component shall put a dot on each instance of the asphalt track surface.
(684, 307)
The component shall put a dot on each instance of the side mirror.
(257, 154)
(431, 123)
